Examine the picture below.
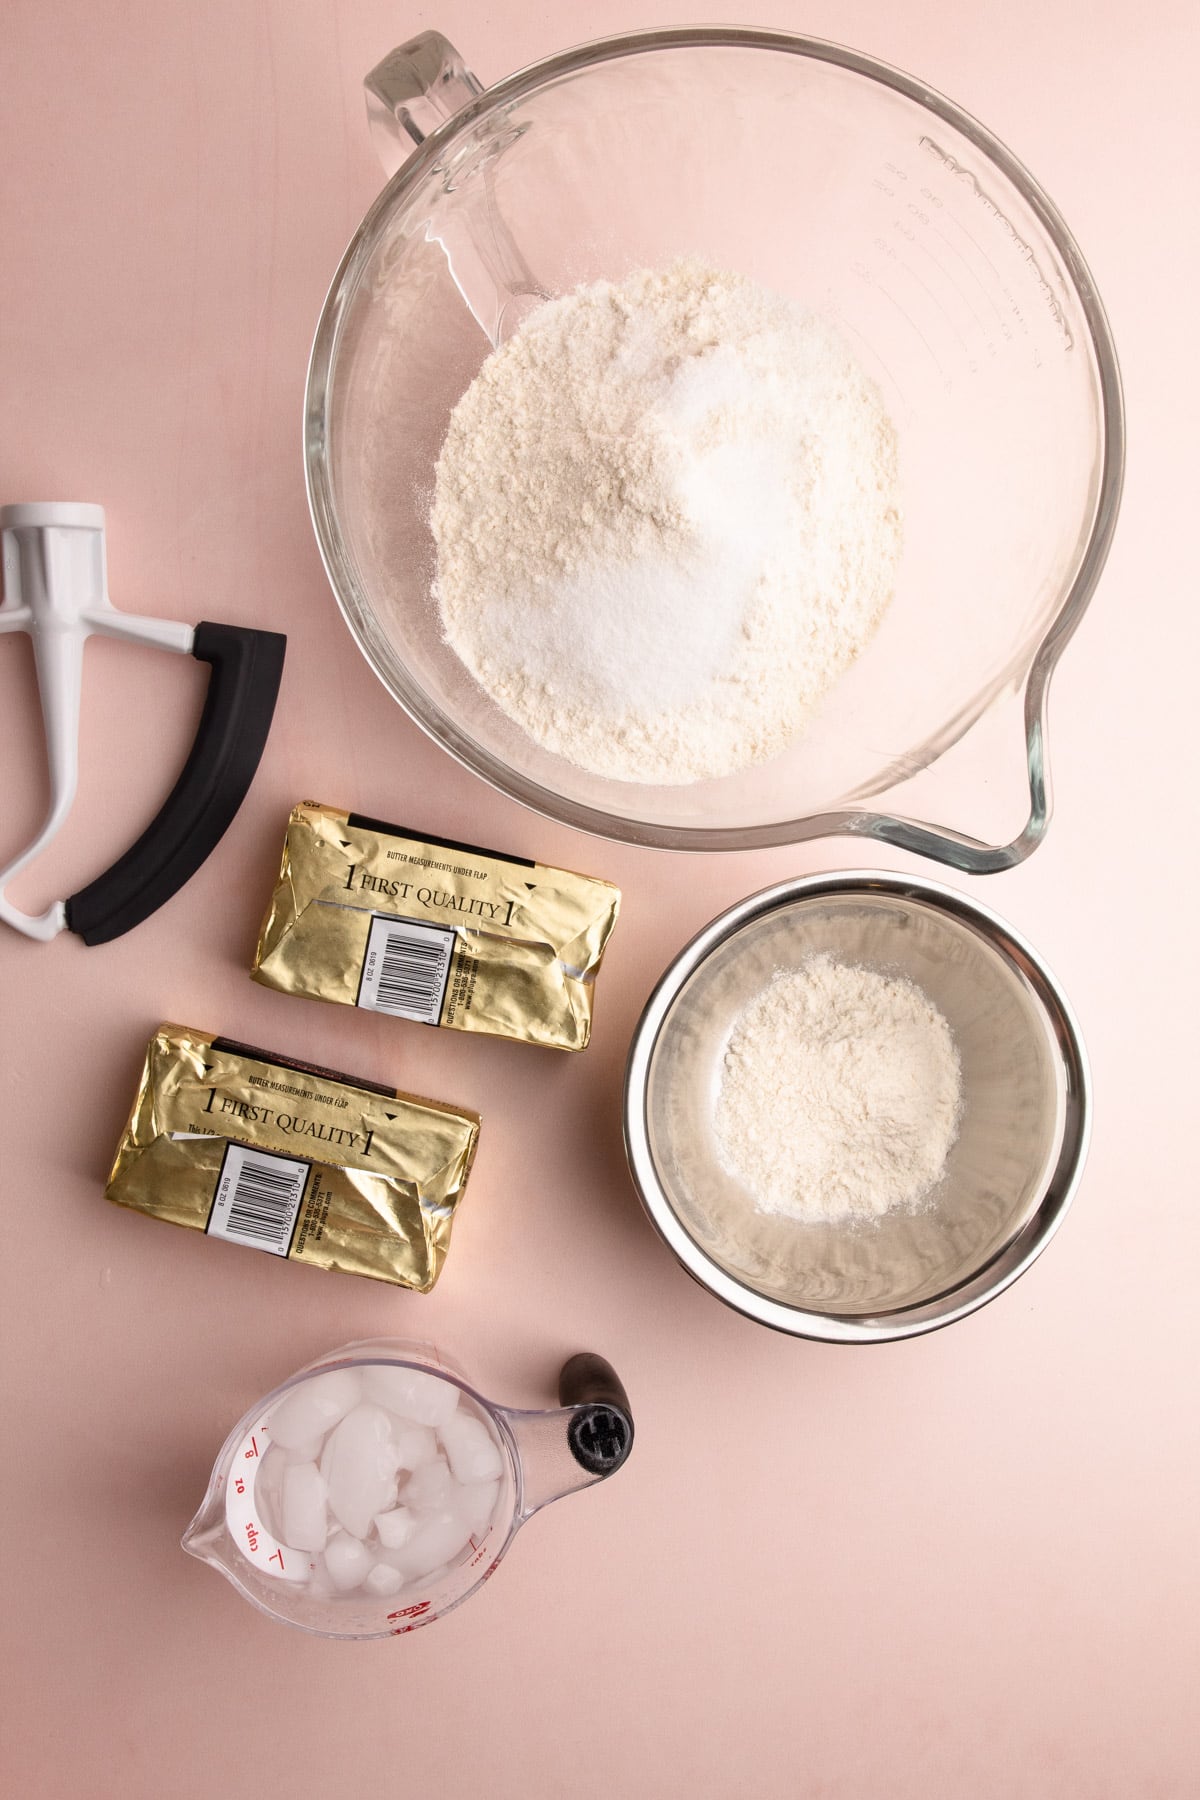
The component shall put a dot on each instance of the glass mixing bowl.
(1009, 1177)
(830, 178)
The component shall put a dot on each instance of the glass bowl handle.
(409, 95)
(416, 88)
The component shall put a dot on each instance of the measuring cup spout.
(206, 1538)
(201, 1539)
(581, 1442)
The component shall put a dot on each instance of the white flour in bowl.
(840, 1094)
(666, 521)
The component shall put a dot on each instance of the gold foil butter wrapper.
(372, 915)
(298, 1161)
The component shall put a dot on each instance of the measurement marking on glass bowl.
(975, 277)
(972, 312)
(844, 324)
(1013, 307)
(940, 266)
(1024, 249)
(912, 237)
(935, 200)
(911, 321)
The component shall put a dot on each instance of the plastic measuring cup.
(542, 1456)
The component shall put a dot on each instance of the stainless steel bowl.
(1009, 1177)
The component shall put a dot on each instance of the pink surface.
(964, 1565)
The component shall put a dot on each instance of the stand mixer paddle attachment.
(56, 588)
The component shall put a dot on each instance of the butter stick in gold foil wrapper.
(295, 1160)
(374, 915)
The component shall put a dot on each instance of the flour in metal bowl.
(840, 1094)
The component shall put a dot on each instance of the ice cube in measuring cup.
(411, 1394)
(303, 1511)
(470, 1448)
(428, 1487)
(305, 1414)
(347, 1561)
(361, 1470)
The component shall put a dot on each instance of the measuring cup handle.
(247, 667)
(582, 1441)
(588, 1380)
(600, 1435)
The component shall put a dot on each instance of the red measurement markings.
(277, 1557)
(239, 1486)
(252, 1452)
(479, 1545)
(252, 1534)
(411, 1612)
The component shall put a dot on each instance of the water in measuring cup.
(376, 1479)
